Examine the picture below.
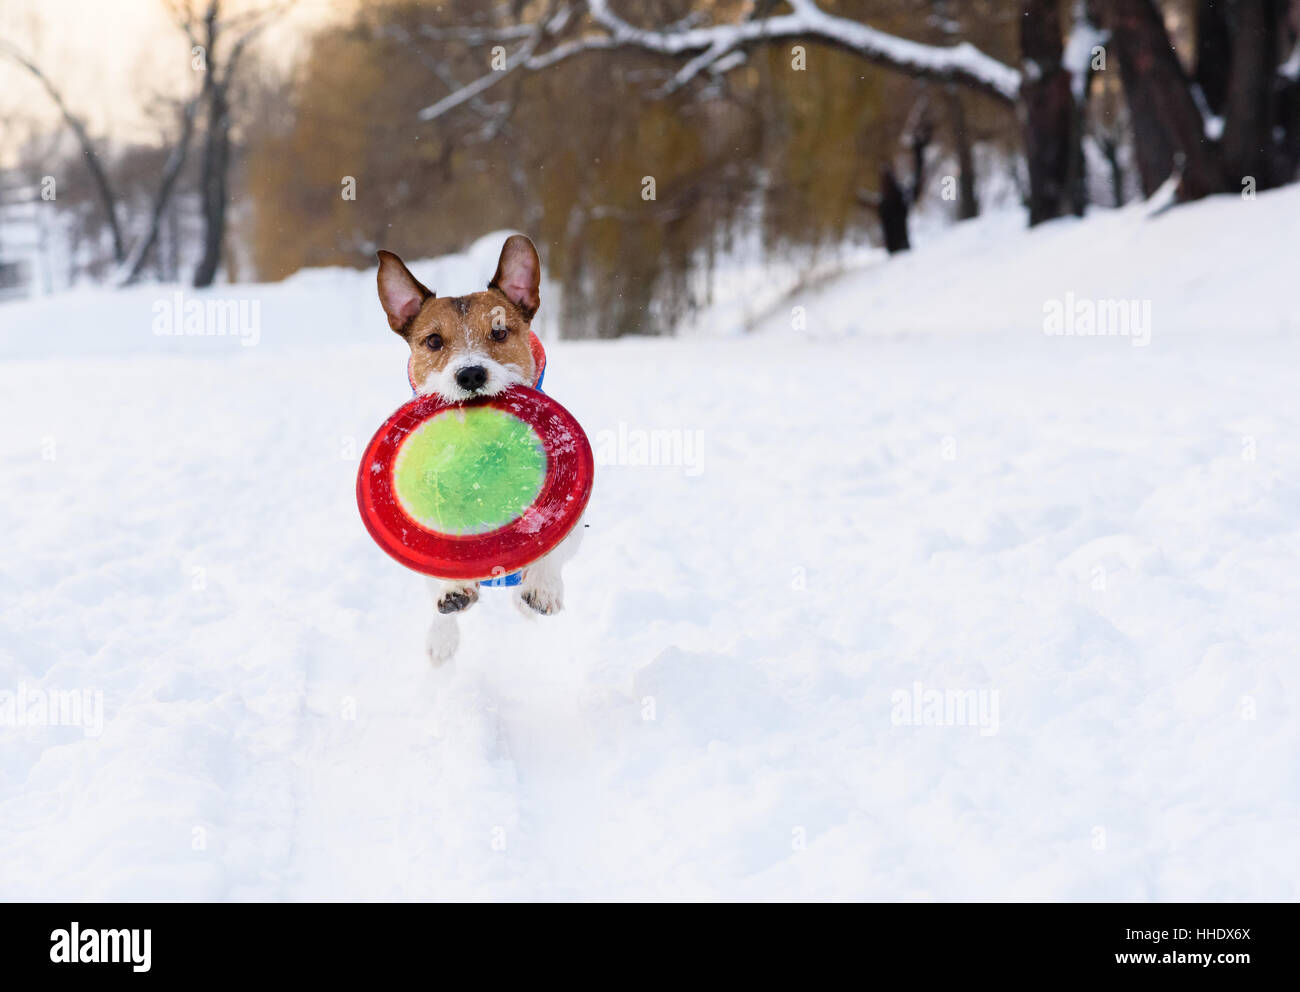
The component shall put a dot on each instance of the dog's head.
(466, 346)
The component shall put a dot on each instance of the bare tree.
(1042, 92)
(1236, 119)
(1048, 110)
(1257, 89)
(1249, 107)
(893, 202)
(133, 265)
(1213, 54)
(130, 263)
(208, 33)
(1168, 128)
(945, 18)
(967, 201)
(94, 165)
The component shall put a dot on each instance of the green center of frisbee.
(469, 470)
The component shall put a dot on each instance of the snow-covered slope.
(1092, 544)
(1221, 267)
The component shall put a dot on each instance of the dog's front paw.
(543, 599)
(457, 598)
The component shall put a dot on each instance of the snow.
(1290, 69)
(1220, 269)
(1081, 46)
(920, 501)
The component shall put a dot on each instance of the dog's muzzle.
(472, 378)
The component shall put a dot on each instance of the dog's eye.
(433, 342)
(500, 333)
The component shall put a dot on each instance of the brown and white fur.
(468, 346)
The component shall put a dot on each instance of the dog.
(463, 347)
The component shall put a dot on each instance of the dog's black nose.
(472, 378)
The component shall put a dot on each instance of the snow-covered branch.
(714, 48)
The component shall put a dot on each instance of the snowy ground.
(921, 492)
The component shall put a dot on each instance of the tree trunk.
(134, 266)
(1048, 111)
(1288, 94)
(967, 202)
(1087, 21)
(1168, 130)
(1213, 53)
(1289, 119)
(893, 208)
(212, 185)
(918, 141)
(1110, 149)
(1250, 105)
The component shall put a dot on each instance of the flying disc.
(475, 490)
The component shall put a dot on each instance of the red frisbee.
(475, 490)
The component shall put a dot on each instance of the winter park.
(900, 404)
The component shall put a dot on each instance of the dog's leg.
(542, 587)
(453, 597)
(443, 638)
(444, 632)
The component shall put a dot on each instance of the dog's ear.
(519, 274)
(401, 293)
